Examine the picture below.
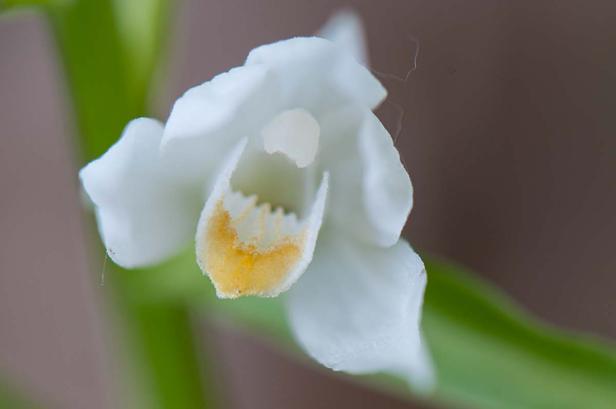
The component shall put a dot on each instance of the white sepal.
(371, 194)
(143, 215)
(313, 73)
(357, 309)
(346, 30)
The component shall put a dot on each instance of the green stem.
(109, 66)
(161, 348)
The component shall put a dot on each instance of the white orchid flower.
(286, 180)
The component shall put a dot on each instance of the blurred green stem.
(110, 51)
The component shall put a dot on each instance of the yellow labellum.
(237, 268)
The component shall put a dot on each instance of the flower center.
(294, 133)
(250, 248)
(247, 248)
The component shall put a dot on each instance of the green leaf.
(488, 353)
(110, 50)
(10, 4)
(97, 68)
(11, 398)
(142, 26)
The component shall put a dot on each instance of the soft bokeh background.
(508, 134)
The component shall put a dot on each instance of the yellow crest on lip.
(238, 268)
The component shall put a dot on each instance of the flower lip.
(250, 249)
(249, 252)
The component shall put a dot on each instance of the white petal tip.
(345, 29)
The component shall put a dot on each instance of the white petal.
(208, 120)
(230, 98)
(357, 309)
(371, 192)
(247, 249)
(312, 71)
(387, 189)
(143, 217)
(345, 29)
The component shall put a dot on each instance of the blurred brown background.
(508, 135)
